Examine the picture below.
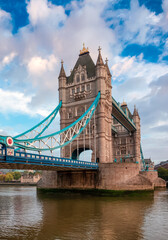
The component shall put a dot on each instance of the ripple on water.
(24, 214)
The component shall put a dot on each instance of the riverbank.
(17, 184)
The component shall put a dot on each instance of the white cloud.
(4, 15)
(7, 59)
(38, 65)
(17, 102)
(42, 11)
(122, 66)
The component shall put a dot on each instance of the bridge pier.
(110, 176)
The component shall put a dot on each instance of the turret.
(100, 73)
(99, 59)
(62, 84)
(135, 113)
(107, 68)
(137, 136)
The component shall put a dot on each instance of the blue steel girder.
(121, 117)
(21, 160)
(60, 138)
(40, 128)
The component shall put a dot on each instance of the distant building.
(163, 164)
(30, 178)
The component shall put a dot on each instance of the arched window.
(83, 88)
(78, 89)
(77, 78)
(83, 77)
(73, 90)
(88, 87)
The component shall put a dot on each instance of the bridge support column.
(110, 176)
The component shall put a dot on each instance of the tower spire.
(135, 113)
(99, 59)
(107, 67)
(84, 50)
(62, 71)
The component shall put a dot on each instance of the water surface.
(26, 214)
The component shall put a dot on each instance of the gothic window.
(78, 89)
(77, 78)
(83, 88)
(83, 77)
(73, 90)
(70, 115)
(88, 87)
(123, 151)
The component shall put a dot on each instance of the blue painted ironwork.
(144, 166)
(37, 160)
(60, 138)
(43, 123)
(126, 117)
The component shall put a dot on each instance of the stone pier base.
(110, 176)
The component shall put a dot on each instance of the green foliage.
(31, 173)
(163, 173)
(8, 177)
(2, 177)
(16, 175)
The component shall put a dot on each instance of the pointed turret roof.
(99, 59)
(84, 59)
(135, 113)
(107, 67)
(62, 71)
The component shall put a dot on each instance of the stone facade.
(77, 92)
(116, 149)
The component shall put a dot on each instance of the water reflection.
(27, 215)
(20, 213)
(93, 217)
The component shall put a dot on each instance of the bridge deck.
(22, 160)
(121, 117)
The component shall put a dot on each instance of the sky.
(36, 34)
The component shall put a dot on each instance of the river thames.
(27, 214)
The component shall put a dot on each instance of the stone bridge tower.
(77, 93)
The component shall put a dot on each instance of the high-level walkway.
(121, 116)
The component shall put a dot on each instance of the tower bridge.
(90, 119)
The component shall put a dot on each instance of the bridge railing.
(31, 158)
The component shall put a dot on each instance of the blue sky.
(36, 34)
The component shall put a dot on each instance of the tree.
(163, 173)
(2, 178)
(8, 177)
(16, 175)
